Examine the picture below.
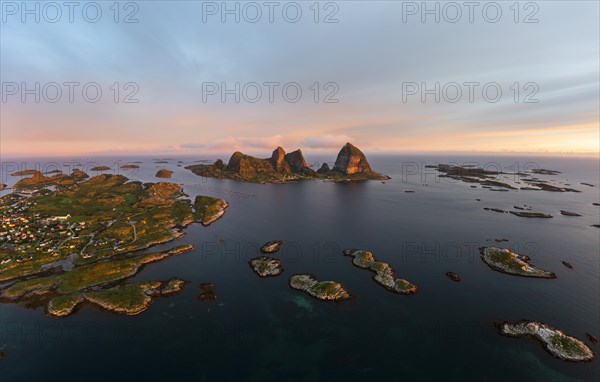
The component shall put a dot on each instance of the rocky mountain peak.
(351, 160)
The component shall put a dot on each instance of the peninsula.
(350, 164)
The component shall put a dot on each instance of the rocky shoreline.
(129, 299)
(554, 340)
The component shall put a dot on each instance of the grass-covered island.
(351, 164)
(266, 266)
(384, 273)
(80, 240)
(554, 340)
(322, 290)
(505, 261)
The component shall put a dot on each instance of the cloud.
(328, 141)
(237, 143)
(193, 146)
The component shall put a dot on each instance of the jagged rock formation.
(351, 160)
(351, 164)
(296, 160)
(324, 169)
(278, 161)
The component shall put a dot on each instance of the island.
(129, 166)
(322, 290)
(569, 213)
(209, 209)
(266, 266)
(554, 340)
(489, 178)
(351, 164)
(100, 168)
(271, 246)
(384, 273)
(567, 264)
(505, 261)
(162, 173)
(528, 214)
(453, 276)
(64, 246)
(207, 292)
(544, 171)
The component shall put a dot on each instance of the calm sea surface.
(261, 330)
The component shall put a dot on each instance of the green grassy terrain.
(57, 244)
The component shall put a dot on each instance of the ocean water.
(262, 330)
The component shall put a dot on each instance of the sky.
(522, 79)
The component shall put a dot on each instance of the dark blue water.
(261, 330)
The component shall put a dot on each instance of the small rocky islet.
(569, 213)
(505, 261)
(266, 266)
(100, 168)
(384, 273)
(129, 299)
(129, 166)
(207, 292)
(488, 178)
(567, 264)
(163, 173)
(555, 341)
(271, 246)
(322, 290)
(529, 214)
